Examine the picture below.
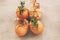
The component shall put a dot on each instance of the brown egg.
(36, 30)
(36, 14)
(24, 14)
(22, 29)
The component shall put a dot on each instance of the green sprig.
(22, 6)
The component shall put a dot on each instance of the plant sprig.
(33, 20)
(22, 6)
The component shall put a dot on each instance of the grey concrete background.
(50, 19)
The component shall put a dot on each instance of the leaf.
(33, 20)
(21, 7)
(22, 3)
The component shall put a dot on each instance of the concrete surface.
(50, 19)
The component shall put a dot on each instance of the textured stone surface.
(50, 19)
